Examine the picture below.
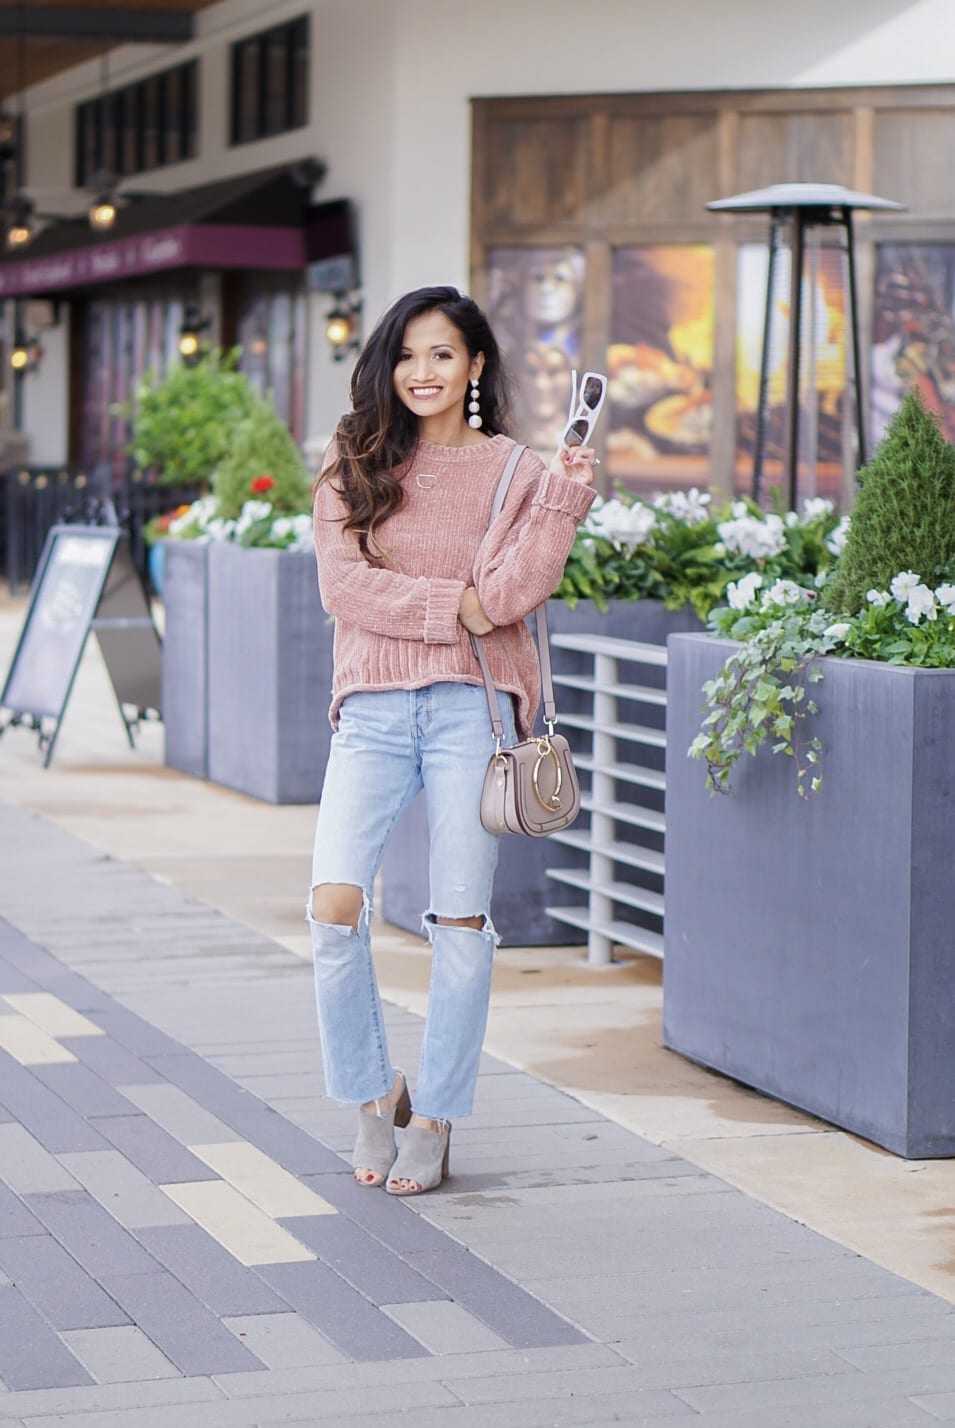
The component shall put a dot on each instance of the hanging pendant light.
(102, 212)
(19, 225)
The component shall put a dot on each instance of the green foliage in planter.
(263, 464)
(904, 514)
(184, 424)
(678, 551)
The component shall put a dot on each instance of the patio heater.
(798, 213)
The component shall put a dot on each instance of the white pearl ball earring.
(474, 406)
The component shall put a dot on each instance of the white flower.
(625, 526)
(302, 533)
(199, 514)
(815, 506)
(836, 540)
(945, 595)
(921, 602)
(687, 506)
(839, 630)
(903, 583)
(741, 593)
(291, 532)
(821, 577)
(791, 518)
(739, 508)
(252, 512)
(750, 536)
(878, 597)
(217, 530)
(784, 592)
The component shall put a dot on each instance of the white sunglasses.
(583, 410)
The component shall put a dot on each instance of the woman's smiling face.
(434, 367)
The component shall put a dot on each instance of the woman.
(409, 569)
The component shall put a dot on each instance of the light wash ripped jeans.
(388, 745)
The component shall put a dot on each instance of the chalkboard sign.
(85, 581)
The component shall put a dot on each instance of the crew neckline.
(459, 453)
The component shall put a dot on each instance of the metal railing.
(621, 871)
(36, 498)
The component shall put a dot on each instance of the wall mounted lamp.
(20, 228)
(25, 354)
(342, 330)
(102, 213)
(191, 345)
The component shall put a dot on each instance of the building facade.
(555, 159)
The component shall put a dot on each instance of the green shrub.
(184, 424)
(904, 514)
(263, 464)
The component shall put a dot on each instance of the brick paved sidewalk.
(181, 1243)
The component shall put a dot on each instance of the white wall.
(617, 46)
(390, 115)
(46, 396)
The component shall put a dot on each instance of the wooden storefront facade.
(665, 294)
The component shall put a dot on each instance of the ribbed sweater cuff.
(561, 493)
(441, 626)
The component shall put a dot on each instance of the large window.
(270, 82)
(271, 334)
(140, 127)
(913, 331)
(120, 338)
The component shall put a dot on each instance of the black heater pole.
(791, 454)
(759, 438)
(854, 332)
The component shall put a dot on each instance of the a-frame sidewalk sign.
(85, 580)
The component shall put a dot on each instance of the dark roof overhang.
(260, 220)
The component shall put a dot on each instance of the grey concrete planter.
(269, 674)
(185, 658)
(809, 944)
(522, 891)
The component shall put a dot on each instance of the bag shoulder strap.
(543, 642)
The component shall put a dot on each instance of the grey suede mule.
(423, 1159)
(375, 1147)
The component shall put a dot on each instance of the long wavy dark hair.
(380, 434)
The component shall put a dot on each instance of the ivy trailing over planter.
(761, 693)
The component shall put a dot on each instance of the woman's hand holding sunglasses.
(576, 462)
(575, 457)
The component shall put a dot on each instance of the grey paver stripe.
(364, 1262)
(343, 1315)
(210, 1272)
(179, 1325)
(56, 1285)
(31, 1354)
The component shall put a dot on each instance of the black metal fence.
(36, 498)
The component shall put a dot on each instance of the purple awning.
(206, 245)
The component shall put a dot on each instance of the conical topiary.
(263, 464)
(904, 514)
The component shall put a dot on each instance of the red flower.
(262, 484)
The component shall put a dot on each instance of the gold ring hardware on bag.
(544, 749)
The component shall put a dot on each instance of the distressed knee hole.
(480, 922)
(340, 904)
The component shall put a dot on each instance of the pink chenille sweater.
(397, 626)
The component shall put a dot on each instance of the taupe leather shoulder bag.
(532, 786)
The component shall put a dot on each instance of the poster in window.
(660, 365)
(913, 334)
(535, 306)
(824, 433)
